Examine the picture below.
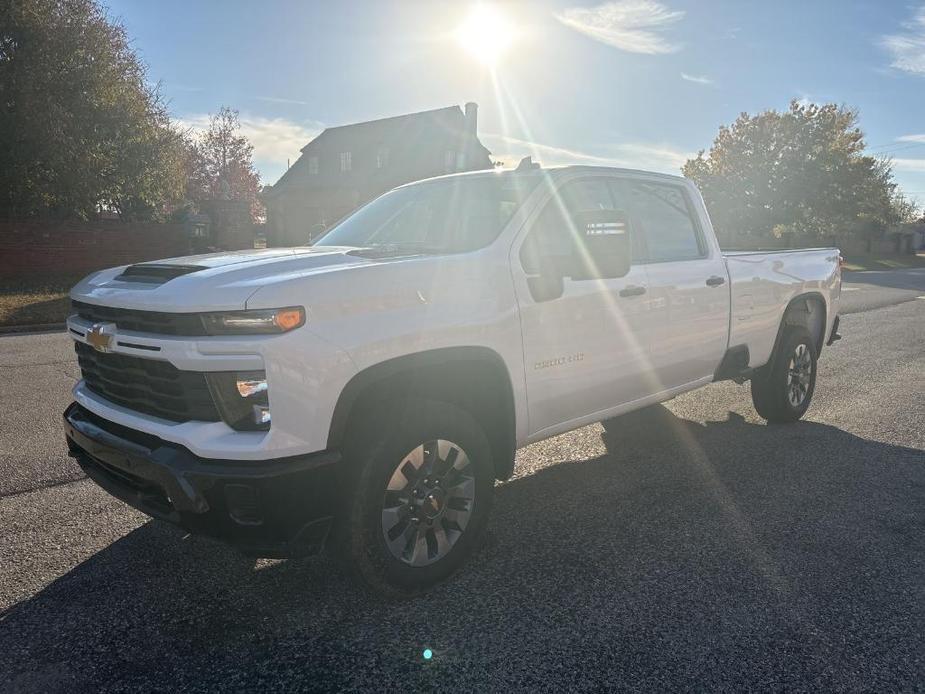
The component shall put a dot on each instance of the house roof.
(450, 119)
(439, 123)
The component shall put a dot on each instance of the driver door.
(585, 342)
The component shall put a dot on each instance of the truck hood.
(213, 281)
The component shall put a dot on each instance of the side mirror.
(548, 282)
(603, 248)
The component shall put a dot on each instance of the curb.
(37, 328)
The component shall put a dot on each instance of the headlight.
(241, 398)
(255, 322)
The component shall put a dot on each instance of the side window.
(552, 234)
(665, 217)
(621, 190)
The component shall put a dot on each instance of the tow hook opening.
(243, 502)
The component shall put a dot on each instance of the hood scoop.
(154, 273)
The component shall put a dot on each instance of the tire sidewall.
(374, 462)
(780, 374)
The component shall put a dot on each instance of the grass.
(883, 262)
(35, 301)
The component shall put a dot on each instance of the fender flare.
(364, 382)
(791, 305)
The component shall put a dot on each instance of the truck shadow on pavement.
(721, 555)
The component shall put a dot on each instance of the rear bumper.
(272, 508)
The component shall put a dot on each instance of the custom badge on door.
(559, 361)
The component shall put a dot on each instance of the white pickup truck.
(366, 392)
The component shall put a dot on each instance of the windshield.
(451, 215)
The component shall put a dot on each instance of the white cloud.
(275, 140)
(911, 138)
(280, 100)
(917, 165)
(699, 79)
(636, 26)
(631, 155)
(908, 48)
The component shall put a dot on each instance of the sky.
(635, 83)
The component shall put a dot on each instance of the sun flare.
(486, 34)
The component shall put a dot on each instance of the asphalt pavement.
(688, 547)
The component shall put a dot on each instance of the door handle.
(715, 281)
(632, 290)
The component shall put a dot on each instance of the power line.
(895, 148)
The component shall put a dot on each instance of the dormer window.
(345, 161)
(313, 166)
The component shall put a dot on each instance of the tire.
(782, 390)
(444, 497)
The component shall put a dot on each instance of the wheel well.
(473, 378)
(807, 310)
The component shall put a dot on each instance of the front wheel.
(420, 497)
(783, 390)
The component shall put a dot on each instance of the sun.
(485, 34)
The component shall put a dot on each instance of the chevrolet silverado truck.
(365, 393)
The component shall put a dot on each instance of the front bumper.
(272, 508)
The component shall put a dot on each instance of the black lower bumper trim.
(275, 508)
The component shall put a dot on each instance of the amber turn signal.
(289, 318)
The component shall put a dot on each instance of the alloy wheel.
(799, 375)
(428, 502)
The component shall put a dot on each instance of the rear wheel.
(420, 496)
(783, 390)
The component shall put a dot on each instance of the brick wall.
(28, 248)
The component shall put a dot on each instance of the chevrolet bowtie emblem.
(100, 335)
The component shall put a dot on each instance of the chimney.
(472, 118)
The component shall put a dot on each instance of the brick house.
(348, 165)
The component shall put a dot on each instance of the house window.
(449, 160)
(460, 161)
(382, 157)
(313, 166)
(345, 161)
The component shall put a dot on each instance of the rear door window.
(667, 221)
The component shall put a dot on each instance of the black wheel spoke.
(410, 473)
(428, 502)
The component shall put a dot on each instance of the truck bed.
(763, 283)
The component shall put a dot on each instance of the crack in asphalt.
(41, 487)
